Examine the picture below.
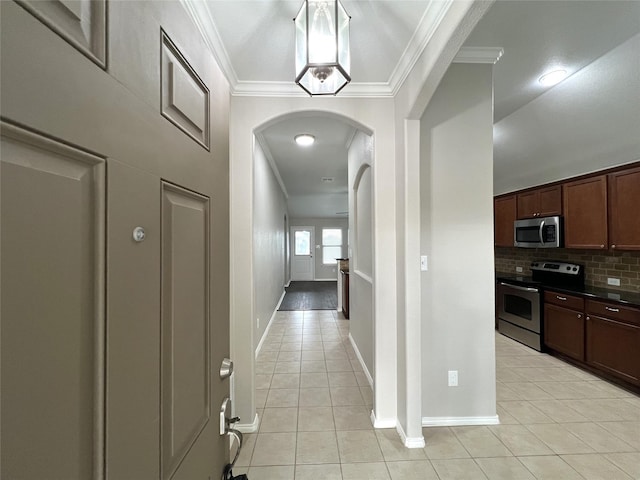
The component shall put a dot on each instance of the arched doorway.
(246, 334)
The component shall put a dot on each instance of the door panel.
(52, 309)
(302, 244)
(133, 335)
(185, 345)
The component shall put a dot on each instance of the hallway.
(314, 402)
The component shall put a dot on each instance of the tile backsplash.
(599, 265)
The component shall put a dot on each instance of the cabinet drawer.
(564, 300)
(613, 311)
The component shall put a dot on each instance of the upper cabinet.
(542, 202)
(624, 206)
(504, 215)
(585, 213)
(600, 211)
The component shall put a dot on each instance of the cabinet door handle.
(564, 299)
(613, 246)
(579, 315)
(616, 310)
(588, 317)
(601, 246)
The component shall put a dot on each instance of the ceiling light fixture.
(305, 139)
(323, 61)
(551, 78)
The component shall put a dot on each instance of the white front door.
(302, 263)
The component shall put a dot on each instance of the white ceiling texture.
(253, 41)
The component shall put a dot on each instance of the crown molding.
(201, 16)
(429, 22)
(290, 89)
(479, 55)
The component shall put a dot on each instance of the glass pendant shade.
(323, 61)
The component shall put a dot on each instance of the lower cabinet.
(564, 324)
(564, 331)
(345, 294)
(603, 335)
(613, 344)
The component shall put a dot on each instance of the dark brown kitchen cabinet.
(613, 340)
(504, 211)
(345, 293)
(585, 213)
(624, 209)
(541, 202)
(564, 324)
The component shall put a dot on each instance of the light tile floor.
(557, 422)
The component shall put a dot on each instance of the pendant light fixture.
(323, 61)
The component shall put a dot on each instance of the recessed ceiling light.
(553, 77)
(305, 139)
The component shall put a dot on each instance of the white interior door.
(302, 263)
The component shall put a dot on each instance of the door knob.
(226, 369)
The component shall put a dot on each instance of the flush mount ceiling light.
(551, 78)
(323, 61)
(305, 139)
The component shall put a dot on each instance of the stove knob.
(568, 268)
(575, 269)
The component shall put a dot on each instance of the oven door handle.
(524, 289)
(541, 232)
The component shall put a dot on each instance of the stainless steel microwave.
(538, 232)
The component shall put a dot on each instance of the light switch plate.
(424, 265)
(519, 269)
(453, 378)
(613, 281)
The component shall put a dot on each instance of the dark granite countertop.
(595, 293)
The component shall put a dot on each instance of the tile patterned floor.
(314, 402)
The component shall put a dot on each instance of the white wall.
(457, 235)
(324, 272)
(361, 284)
(586, 123)
(410, 103)
(269, 259)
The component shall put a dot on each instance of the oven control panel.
(557, 267)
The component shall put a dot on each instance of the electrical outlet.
(519, 269)
(453, 378)
(613, 281)
(424, 265)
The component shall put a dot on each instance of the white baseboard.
(382, 422)
(459, 421)
(288, 283)
(325, 280)
(266, 330)
(362, 364)
(249, 427)
(409, 442)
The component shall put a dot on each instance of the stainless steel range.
(520, 299)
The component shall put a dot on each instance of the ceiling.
(539, 35)
(253, 42)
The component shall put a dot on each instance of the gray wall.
(324, 272)
(457, 234)
(361, 286)
(269, 242)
